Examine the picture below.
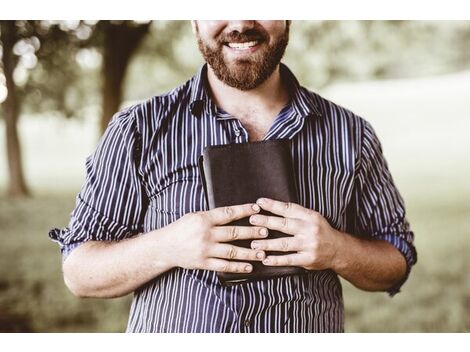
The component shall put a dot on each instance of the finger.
(226, 266)
(232, 233)
(290, 226)
(228, 251)
(285, 209)
(284, 244)
(224, 215)
(294, 259)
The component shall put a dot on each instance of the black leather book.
(241, 173)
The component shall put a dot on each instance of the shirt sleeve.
(381, 209)
(111, 202)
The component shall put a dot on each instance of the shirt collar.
(201, 103)
(301, 99)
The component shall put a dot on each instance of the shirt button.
(247, 322)
(237, 133)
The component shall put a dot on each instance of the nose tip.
(241, 26)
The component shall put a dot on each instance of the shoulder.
(147, 117)
(332, 119)
(332, 112)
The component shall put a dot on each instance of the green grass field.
(423, 125)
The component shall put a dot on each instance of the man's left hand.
(313, 240)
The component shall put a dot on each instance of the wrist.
(338, 258)
(160, 251)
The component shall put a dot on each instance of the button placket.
(238, 130)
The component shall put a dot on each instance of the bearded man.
(141, 223)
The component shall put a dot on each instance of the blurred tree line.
(66, 67)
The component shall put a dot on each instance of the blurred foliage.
(323, 52)
(48, 77)
(60, 61)
(319, 52)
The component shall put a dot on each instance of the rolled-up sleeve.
(380, 205)
(111, 202)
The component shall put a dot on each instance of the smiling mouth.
(242, 46)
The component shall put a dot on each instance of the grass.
(436, 297)
(33, 296)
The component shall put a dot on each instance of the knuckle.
(312, 258)
(234, 234)
(285, 222)
(196, 219)
(285, 244)
(201, 253)
(231, 252)
(229, 211)
(315, 229)
(315, 216)
(224, 267)
(314, 246)
(206, 263)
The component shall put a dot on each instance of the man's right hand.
(195, 241)
(199, 240)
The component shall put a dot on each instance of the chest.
(256, 128)
(324, 169)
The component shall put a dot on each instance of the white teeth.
(242, 45)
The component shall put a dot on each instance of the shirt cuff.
(68, 248)
(408, 251)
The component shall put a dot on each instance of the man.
(141, 223)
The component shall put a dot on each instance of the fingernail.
(254, 245)
(248, 268)
(260, 201)
(254, 219)
(266, 261)
(255, 207)
(260, 255)
(263, 232)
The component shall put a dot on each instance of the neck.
(264, 101)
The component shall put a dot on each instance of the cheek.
(273, 27)
(210, 29)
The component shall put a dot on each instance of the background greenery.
(411, 80)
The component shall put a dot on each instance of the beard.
(249, 73)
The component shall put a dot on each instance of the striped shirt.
(144, 175)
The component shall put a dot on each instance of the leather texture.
(241, 173)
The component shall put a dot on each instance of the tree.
(120, 39)
(11, 110)
(56, 45)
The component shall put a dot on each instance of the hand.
(198, 241)
(313, 239)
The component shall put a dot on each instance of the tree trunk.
(11, 108)
(120, 42)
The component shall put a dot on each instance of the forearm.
(371, 265)
(114, 269)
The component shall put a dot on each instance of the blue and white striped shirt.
(144, 175)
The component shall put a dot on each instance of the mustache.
(246, 36)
